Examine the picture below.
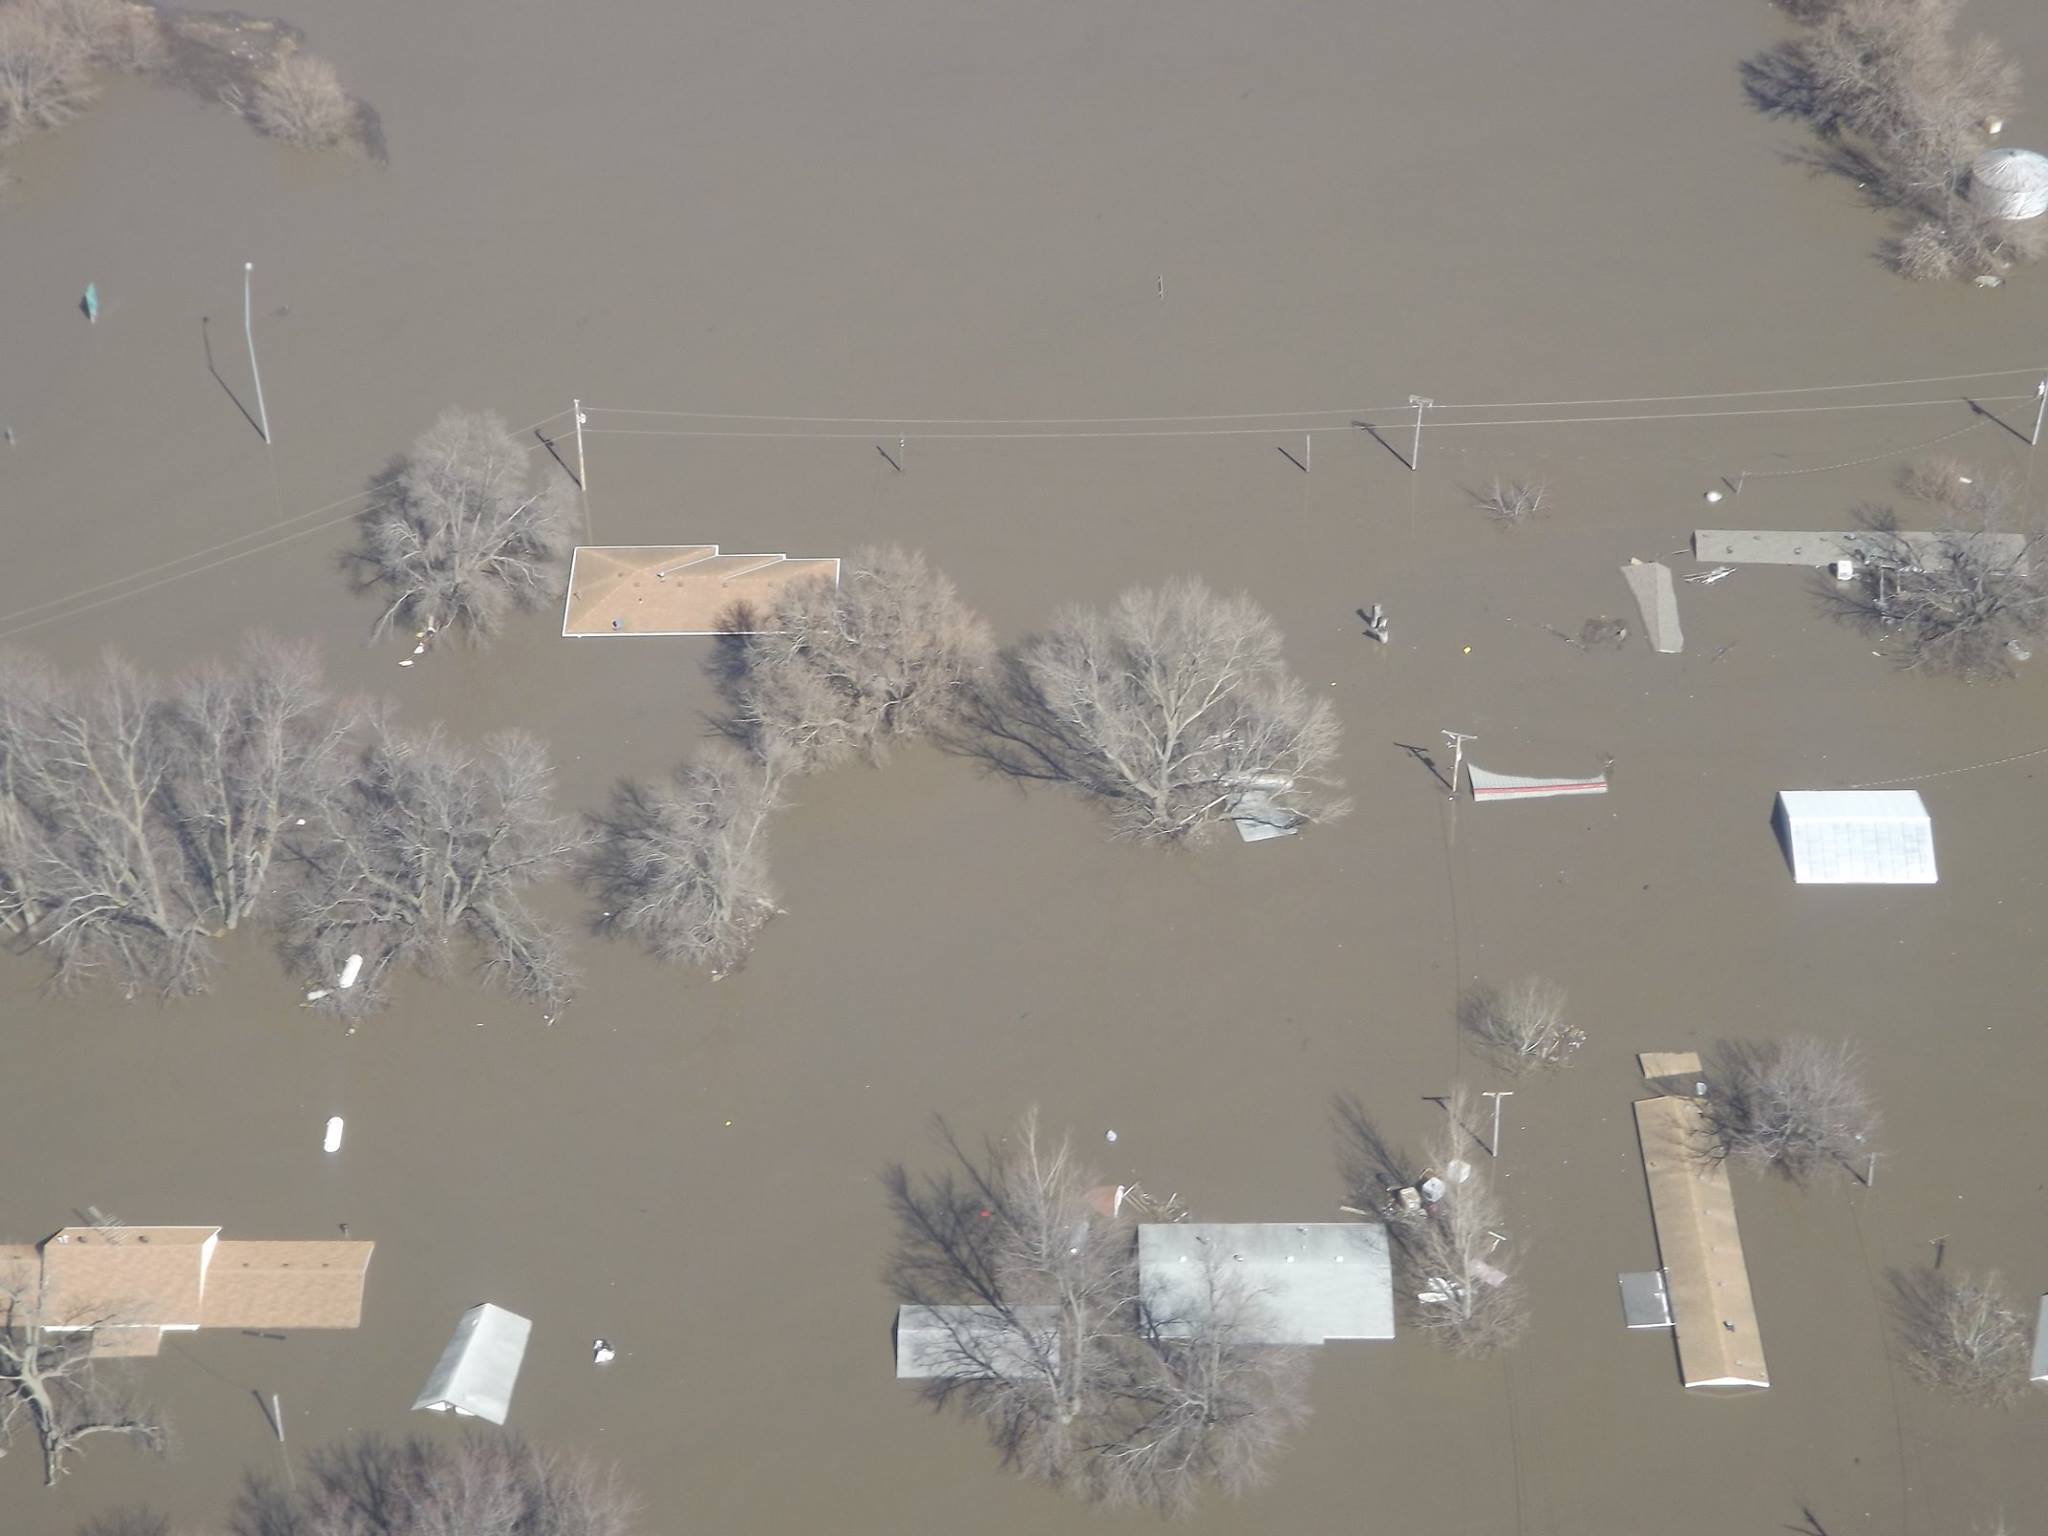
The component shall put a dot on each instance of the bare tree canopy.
(463, 532)
(1172, 707)
(480, 1485)
(1522, 1027)
(138, 822)
(1901, 107)
(427, 846)
(1105, 1400)
(832, 673)
(1967, 599)
(1456, 1271)
(1961, 1335)
(50, 1386)
(1798, 1105)
(682, 867)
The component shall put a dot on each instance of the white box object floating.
(480, 1366)
(332, 1141)
(350, 971)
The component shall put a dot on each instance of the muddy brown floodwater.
(917, 208)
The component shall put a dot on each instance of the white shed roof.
(477, 1370)
(1312, 1282)
(1857, 836)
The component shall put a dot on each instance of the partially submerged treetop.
(463, 531)
(1173, 705)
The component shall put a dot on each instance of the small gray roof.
(477, 1371)
(1312, 1281)
(974, 1341)
(1857, 836)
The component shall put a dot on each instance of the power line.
(70, 605)
(1442, 405)
(1167, 432)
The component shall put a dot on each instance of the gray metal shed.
(478, 1369)
(955, 1342)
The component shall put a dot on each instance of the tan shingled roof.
(283, 1284)
(131, 1275)
(678, 589)
(1705, 1274)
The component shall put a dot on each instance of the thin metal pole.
(1308, 452)
(277, 1418)
(582, 474)
(1505, 1093)
(1457, 740)
(1421, 404)
(2040, 389)
(249, 331)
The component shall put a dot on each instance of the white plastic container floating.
(351, 971)
(1845, 570)
(332, 1141)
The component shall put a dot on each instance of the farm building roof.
(1856, 836)
(1311, 1282)
(676, 589)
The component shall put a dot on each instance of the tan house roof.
(130, 1276)
(1705, 1274)
(282, 1284)
(675, 589)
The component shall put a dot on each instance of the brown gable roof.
(255, 1283)
(130, 1275)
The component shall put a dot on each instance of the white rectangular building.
(1307, 1282)
(1856, 836)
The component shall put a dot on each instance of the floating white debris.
(1111, 1136)
(332, 1141)
(407, 662)
(1845, 570)
(1713, 495)
(601, 1352)
(351, 971)
(316, 994)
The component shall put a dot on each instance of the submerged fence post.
(249, 333)
(582, 475)
(2040, 389)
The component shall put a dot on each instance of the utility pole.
(1421, 404)
(1456, 740)
(2040, 411)
(582, 475)
(249, 332)
(1505, 1093)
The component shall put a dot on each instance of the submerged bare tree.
(1798, 1106)
(300, 100)
(1901, 106)
(1960, 1334)
(1079, 1383)
(833, 672)
(479, 1485)
(682, 866)
(1513, 501)
(139, 822)
(1175, 707)
(1523, 1026)
(51, 1387)
(461, 533)
(1967, 598)
(1454, 1265)
(428, 846)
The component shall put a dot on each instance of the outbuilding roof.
(1309, 1282)
(1857, 836)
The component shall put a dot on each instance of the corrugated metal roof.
(1657, 598)
(1857, 836)
(1309, 1282)
(477, 1371)
(974, 1341)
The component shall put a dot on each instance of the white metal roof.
(1309, 1282)
(975, 1341)
(1857, 836)
(478, 1369)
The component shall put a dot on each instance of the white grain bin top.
(2010, 183)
